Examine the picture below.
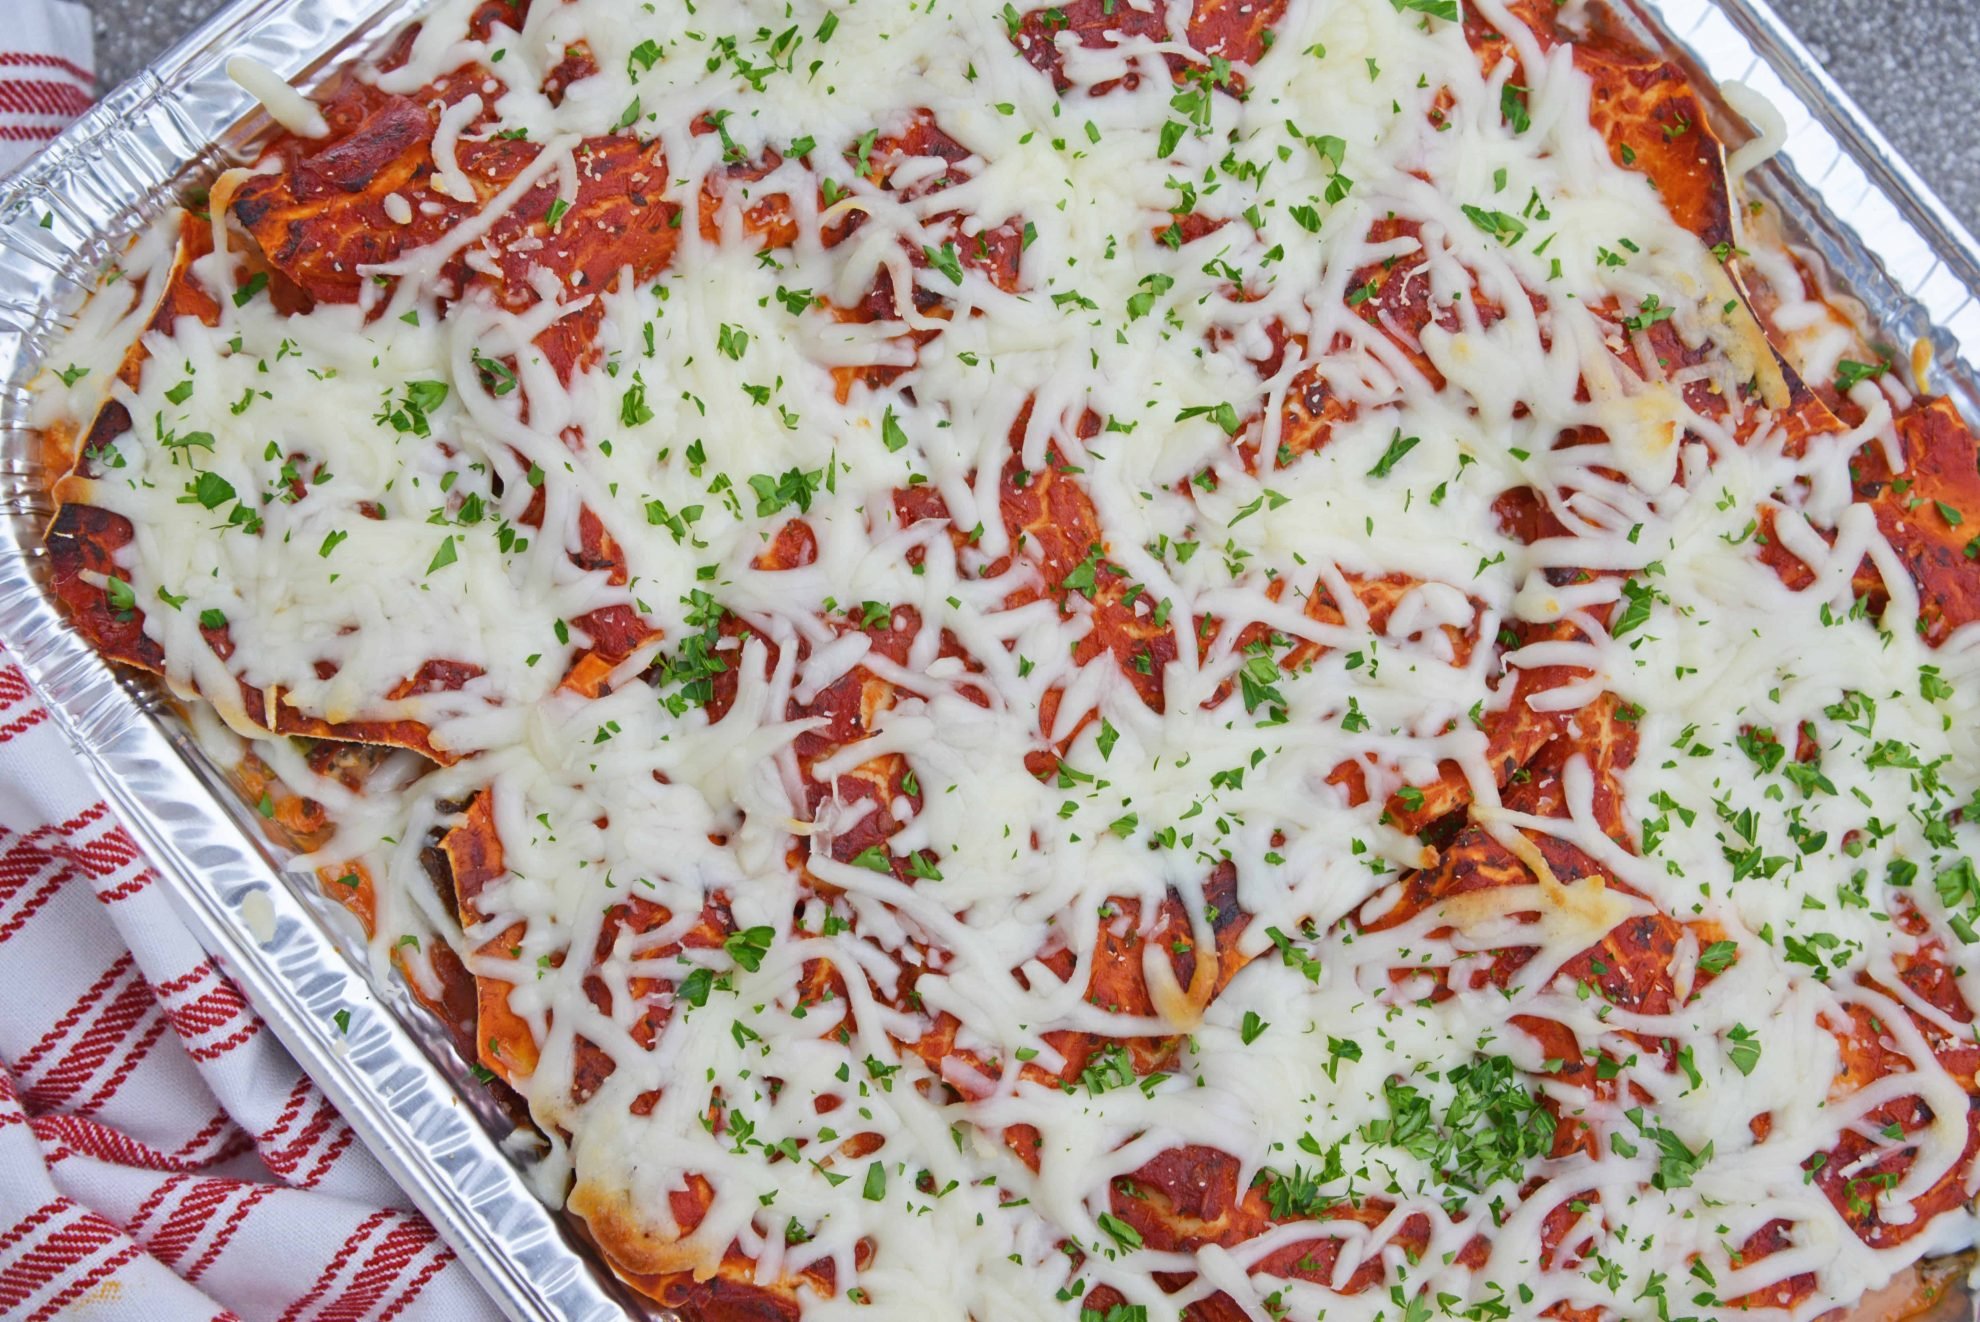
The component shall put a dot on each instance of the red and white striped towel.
(161, 1156)
(45, 75)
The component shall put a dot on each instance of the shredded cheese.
(1199, 272)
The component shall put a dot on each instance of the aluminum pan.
(1843, 189)
(1840, 188)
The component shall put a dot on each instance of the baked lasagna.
(1127, 661)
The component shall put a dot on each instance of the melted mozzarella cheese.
(392, 472)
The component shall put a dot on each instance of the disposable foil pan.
(1837, 186)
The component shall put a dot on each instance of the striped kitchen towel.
(45, 74)
(161, 1156)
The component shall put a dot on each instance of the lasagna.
(1135, 660)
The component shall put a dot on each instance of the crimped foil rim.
(1844, 189)
(1846, 195)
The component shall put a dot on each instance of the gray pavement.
(1914, 65)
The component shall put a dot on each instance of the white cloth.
(161, 1156)
(46, 71)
